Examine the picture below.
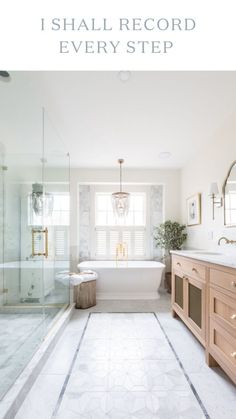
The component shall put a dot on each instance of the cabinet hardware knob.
(233, 354)
(233, 283)
(233, 317)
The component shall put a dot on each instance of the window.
(60, 215)
(108, 230)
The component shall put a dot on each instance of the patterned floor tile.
(83, 405)
(132, 373)
(156, 349)
(176, 405)
(127, 376)
(89, 375)
(127, 405)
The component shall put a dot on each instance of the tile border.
(201, 404)
(193, 389)
(13, 399)
(71, 368)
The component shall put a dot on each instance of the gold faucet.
(227, 241)
(121, 252)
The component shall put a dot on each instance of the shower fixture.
(42, 203)
(120, 200)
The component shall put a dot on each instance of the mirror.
(229, 192)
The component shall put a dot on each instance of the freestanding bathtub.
(131, 280)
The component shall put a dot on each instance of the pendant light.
(120, 200)
(42, 203)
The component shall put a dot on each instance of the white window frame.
(146, 228)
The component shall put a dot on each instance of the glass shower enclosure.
(34, 248)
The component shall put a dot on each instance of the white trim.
(92, 237)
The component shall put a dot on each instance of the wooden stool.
(86, 294)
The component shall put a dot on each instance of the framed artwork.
(194, 210)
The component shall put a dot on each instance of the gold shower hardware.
(40, 231)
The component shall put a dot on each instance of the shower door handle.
(40, 231)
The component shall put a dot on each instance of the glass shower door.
(56, 265)
(22, 314)
(1, 229)
(56, 184)
(34, 241)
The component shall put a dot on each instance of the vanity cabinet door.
(178, 292)
(195, 307)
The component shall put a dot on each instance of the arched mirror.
(229, 191)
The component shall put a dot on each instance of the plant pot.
(167, 282)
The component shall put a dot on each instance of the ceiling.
(98, 118)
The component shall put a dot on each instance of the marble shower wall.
(9, 237)
(84, 222)
(156, 217)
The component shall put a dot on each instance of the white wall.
(211, 164)
(169, 178)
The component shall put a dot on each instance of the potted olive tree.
(169, 236)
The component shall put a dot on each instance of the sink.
(208, 253)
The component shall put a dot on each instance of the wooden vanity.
(204, 297)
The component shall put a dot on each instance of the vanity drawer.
(223, 346)
(223, 310)
(224, 280)
(189, 267)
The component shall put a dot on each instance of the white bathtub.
(137, 280)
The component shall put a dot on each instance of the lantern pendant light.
(120, 200)
(42, 203)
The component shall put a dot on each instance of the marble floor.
(122, 365)
(21, 331)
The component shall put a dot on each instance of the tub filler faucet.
(121, 252)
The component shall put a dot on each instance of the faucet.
(227, 241)
(121, 251)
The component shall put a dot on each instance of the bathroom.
(138, 351)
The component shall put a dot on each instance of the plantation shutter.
(114, 239)
(107, 240)
(61, 240)
(101, 243)
(139, 243)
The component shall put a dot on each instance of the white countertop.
(222, 256)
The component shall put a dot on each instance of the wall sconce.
(216, 199)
